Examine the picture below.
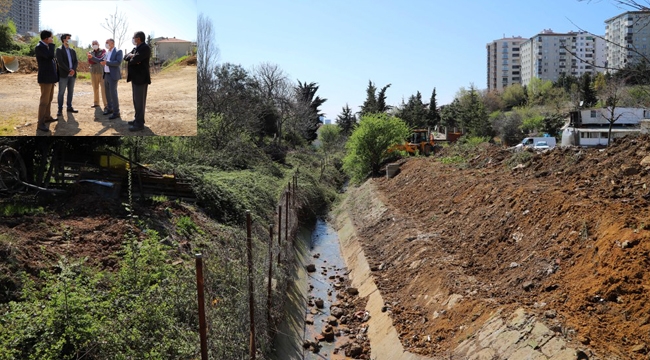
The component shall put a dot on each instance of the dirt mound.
(27, 65)
(189, 61)
(564, 234)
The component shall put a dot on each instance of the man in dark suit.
(112, 74)
(47, 77)
(140, 78)
(66, 59)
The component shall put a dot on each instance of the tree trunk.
(609, 135)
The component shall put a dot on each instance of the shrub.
(368, 145)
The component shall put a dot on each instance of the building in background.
(24, 13)
(171, 48)
(548, 55)
(628, 38)
(503, 62)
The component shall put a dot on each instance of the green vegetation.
(13, 209)
(368, 145)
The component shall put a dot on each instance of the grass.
(8, 125)
(83, 75)
(456, 159)
(19, 209)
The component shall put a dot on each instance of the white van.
(531, 142)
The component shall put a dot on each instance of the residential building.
(591, 127)
(628, 38)
(24, 13)
(548, 55)
(169, 48)
(503, 62)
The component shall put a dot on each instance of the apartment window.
(593, 114)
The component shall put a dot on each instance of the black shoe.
(59, 113)
(50, 120)
(114, 116)
(72, 110)
(106, 112)
(135, 127)
(43, 128)
(131, 122)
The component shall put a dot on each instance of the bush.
(368, 145)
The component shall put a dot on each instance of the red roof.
(168, 40)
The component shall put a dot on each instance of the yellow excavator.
(420, 142)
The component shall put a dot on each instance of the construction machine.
(421, 141)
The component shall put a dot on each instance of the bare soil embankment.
(551, 256)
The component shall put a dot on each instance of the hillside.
(562, 234)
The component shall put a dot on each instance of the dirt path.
(171, 107)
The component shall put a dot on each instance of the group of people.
(60, 67)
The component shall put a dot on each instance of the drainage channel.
(325, 317)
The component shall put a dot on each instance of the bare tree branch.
(118, 25)
(207, 57)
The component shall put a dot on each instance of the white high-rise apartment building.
(548, 55)
(503, 62)
(625, 33)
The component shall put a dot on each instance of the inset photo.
(98, 68)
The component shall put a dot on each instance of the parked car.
(541, 145)
(531, 143)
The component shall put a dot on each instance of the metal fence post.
(251, 297)
(279, 232)
(270, 293)
(202, 325)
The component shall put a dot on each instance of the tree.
(492, 100)
(538, 90)
(368, 145)
(370, 104)
(346, 121)
(613, 94)
(207, 57)
(450, 114)
(381, 100)
(308, 112)
(276, 91)
(414, 112)
(118, 25)
(330, 136)
(587, 90)
(433, 116)
(513, 96)
(473, 116)
(7, 31)
(507, 126)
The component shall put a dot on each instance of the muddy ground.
(170, 111)
(565, 236)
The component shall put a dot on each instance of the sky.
(83, 19)
(414, 45)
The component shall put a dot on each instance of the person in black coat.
(66, 59)
(47, 77)
(140, 78)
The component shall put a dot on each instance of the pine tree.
(306, 94)
(381, 100)
(433, 116)
(588, 91)
(346, 121)
(370, 105)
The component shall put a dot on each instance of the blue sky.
(170, 18)
(412, 44)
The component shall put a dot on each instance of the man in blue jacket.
(112, 74)
(47, 77)
(66, 59)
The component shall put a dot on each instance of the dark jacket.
(62, 61)
(138, 70)
(46, 65)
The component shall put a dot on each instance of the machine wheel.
(12, 170)
(427, 150)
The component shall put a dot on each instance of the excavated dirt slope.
(565, 236)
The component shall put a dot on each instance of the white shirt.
(107, 58)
